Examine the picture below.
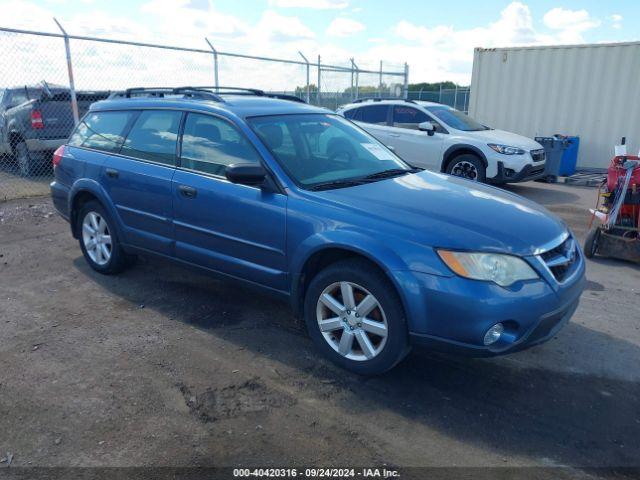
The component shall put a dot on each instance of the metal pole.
(319, 78)
(352, 97)
(420, 94)
(307, 62)
(406, 80)
(380, 82)
(455, 97)
(440, 94)
(72, 85)
(356, 70)
(215, 62)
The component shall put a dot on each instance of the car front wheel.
(355, 317)
(467, 166)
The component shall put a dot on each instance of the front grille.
(561, 260)
(538, 155)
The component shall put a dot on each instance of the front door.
(413, 145)
(234, 229)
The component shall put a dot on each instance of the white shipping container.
(592, 91)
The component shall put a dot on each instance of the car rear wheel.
(467, 166)
(99, 240)
(355, 317)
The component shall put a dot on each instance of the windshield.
(456, 119)
(325, 150)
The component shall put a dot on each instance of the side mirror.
(428, 127)
(246, 174)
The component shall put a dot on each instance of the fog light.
(509, 172)
(493, 334)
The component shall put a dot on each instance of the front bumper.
(457, 312)
(528, 173)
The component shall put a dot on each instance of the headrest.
(208, 131)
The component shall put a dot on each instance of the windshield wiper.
(393, 172)
(336, 184)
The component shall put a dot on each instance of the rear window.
(101, 131)
(154, 137)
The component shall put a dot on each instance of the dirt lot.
(161, 366)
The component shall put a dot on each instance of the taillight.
(57, 155)
(36, 120)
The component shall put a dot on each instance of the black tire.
(24, 160)
(364, 274)
(591, 242)
(453, 167)
(118, 260)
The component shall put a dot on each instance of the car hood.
(440, 210)
(503, 137)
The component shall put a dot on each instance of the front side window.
(210, 144)
(376, 114)
(408, 117)
(101, 131)
(456, 119)
(154, 137)
(319, 149)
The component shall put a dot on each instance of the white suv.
(440, 138)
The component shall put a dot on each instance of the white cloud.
(344, 27)
(569, 23)
(616, 20)
(312, 4)
(440, 52)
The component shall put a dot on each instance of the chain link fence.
(49, 80)
(457, 98)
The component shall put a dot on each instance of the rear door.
(138, 179)
(235, 229)
(413, 145)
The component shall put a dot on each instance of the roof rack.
(379, 99)
(201, 92)
(251, 91)
(161, 92)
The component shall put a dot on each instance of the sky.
(436, 39)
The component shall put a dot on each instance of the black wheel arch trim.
(460, 148)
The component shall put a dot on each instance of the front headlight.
(506, 149)
(502, 269)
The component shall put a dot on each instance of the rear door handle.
(112, 173)
(187, 191)
(394, 135)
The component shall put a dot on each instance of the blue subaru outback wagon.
(376, 255)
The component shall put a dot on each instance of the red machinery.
(619, 234)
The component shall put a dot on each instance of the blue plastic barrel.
(570, 156)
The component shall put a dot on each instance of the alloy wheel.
(352, 321)
(466, 170)
(96, 238)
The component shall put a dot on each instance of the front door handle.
(394, 135)
(112, 173)
(187, 191)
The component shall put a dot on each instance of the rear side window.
(352, 114)
(101, 131)
(210, 144)
(154, 137)
(376, 114)
(408, 117)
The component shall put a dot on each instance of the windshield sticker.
(378, 152)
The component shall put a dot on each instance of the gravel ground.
(163, 366)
